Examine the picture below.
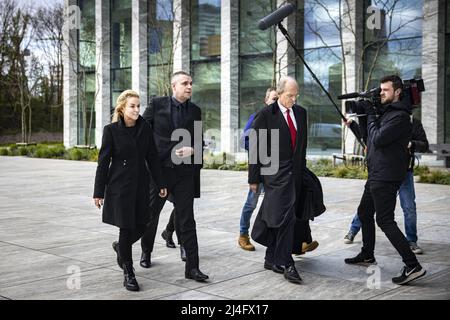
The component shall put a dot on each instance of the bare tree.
(161, 24)
(23, 70)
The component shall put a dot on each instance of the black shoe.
(146, 260)
(182, 253)
(291, 275)
(196, 274)
(409, 274)
(166, 235)
(278, 269)
(115, 246)
(268, 265)
(129, 281)
(362, 260)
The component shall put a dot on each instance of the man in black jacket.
(166, 115)
(388, 135)
(419, 143)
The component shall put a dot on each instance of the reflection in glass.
(321, 18)
(86, 74)
(318, 34)
(160, 31)
(205, 64)
(447, 79)
(399, 19)
(257, 57)
(120, 48)
(205, 29)
(401, 57)
(323, 121)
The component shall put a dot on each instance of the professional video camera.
(410, 93)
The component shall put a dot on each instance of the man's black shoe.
(115, 246)
(291, 275)
(196, 274)
(362, 260)
(268, 265)
(182, 253)
(146, 261)
(166, 235)
(278, 269)
(409, 274)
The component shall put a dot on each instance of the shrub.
(438, 177)
(4, 152)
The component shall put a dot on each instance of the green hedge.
(322, 167)
(50, 151)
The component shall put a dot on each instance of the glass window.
(321, 20)
(205, 65)
(401, 57)
(395, 47)
(318, 36)
(120, 48)
(86, 74)
(324, 123)
(257, 57)
(447, 78)
(205, 29)
(398, 19)
(160, 32)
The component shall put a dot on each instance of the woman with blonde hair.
(126, 158)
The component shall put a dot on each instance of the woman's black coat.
(122, 176)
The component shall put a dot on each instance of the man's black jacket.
(388, 136)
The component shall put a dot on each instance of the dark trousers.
(171, 225)
(126, 239)
(380, 197)
(182, 189)
(279, 240)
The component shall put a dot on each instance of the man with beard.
(388, 135)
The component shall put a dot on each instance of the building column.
(229, 63)
(352, 42)
(286, 56)
(103, 68)
(433, 73)
(70, 65)
(139, 54)
(181, 36)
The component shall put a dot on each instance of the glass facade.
(160, 49)
(447, 76)
(86, 74)
(120, 48)
(395, 48)
(205, 63)
(257, 57)
(318, 37)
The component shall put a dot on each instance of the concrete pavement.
(53, 244)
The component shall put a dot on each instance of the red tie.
(292, 129)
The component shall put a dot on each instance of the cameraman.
(388, 135)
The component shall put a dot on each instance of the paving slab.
(49, 228)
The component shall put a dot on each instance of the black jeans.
(380, 197)
(126, 239)
(182, 189)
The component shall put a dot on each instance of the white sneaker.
(348, 239)
(415, 248)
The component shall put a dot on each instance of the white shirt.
(291, 114)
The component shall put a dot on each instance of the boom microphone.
(349, 96)
(276, 17)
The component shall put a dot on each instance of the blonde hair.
(122, 102)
